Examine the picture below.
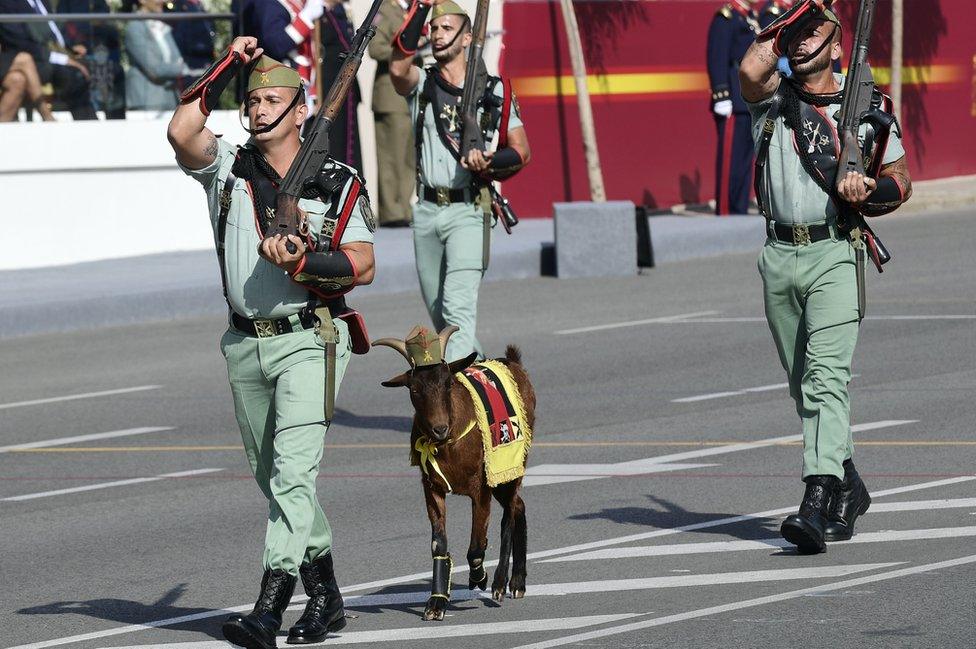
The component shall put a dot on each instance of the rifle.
(471, 137)
(315, 148)
(856, 109)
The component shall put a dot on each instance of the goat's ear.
(459, 365)
(397, 381)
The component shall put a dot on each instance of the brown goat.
(443, 411)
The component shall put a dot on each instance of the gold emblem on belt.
(264, 328)
(801, 235)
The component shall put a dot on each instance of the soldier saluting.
(288, 342)
(451, 218)
(813, 257)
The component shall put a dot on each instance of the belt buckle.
(801, 235)
(264, 328)
(443, 196)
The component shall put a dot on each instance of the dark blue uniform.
(194, 38)
(732, 31)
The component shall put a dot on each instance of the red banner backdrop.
(650, 94)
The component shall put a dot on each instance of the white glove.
(312, 11)
(723, 108)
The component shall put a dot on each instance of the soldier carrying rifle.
(815, 181)
(452, 218)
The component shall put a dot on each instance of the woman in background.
(155, 63)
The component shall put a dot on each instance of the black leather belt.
(799, 235)
(267, 328)
(444, 196)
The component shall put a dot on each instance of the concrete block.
(595, 239)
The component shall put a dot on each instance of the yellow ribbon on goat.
(428, 452)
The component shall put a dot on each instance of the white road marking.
(84, 438)
(761, 544)
(73, 397)
(758, 601)
(107, 485)
(923, 505)
(430, 631)
(736, 393)
(544, 474)
(405, 579)
(693, 318)
(636, 323)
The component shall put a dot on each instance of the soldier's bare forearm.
(758, 71)
(195, 145)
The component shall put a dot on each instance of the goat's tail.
(513, 354)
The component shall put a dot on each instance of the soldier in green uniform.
(395, 155)
(809, 262)
(452, 218)
(290, 334)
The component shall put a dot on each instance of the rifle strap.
(762, 151)
(226, 193)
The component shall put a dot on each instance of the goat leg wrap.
(328, 272)
(504, 164)
(441, 585)
(407, 38)
(212, 83)
(885, 198)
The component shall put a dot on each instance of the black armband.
(886, 197)
(326, 272)
(505, 163)
(407, 38)
(213, 82)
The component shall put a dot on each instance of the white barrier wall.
(83, 191)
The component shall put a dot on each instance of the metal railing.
(105, 18)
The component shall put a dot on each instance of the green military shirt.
(438, 168)
(256, 288)
(791, 195)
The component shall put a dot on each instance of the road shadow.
(128, 611)
(372, 422)
(462, 599)
(667, 515)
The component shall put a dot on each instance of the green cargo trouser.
(448, 244)
(395, 165)
(278, 385)
(810, 295)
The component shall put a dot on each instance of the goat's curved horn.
(396, 344)
(445, 335)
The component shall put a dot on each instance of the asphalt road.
(650, 438)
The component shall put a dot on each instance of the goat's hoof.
(518, 593)
(434, 611)
(498, 594)
(478, 582)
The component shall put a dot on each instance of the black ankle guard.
(407, 38)
(213, 82)
(441, 586)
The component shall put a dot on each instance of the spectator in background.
(337, 35)
(395, 154)
(99, 46)
(20, 82)
(194, 38)
(55, 63)
(155, 61)
(732, 31)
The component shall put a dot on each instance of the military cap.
(268, 73)
(448, 8)
(831, 17)
(424, 347)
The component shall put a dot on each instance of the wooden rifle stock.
(471, 135)
(314, 151)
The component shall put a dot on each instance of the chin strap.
(272, 125)
(212, 83)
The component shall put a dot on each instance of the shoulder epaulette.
(774, 10)
(725, 12)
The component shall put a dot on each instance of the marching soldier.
(395, 155)
(809, 264)
(290, 333)
(452, 218)
(732, 31)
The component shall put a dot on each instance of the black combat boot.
(324, 612)
(851, 499)
(257, 629)
(805, 529)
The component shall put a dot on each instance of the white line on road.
(84, 438)
(693, 318)
(107, 485)
(544, 474)
(405, 579)
(736, 393)
(759, 601)
(430, 631)
(777, 543)
(73, 397)
(636, 323)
